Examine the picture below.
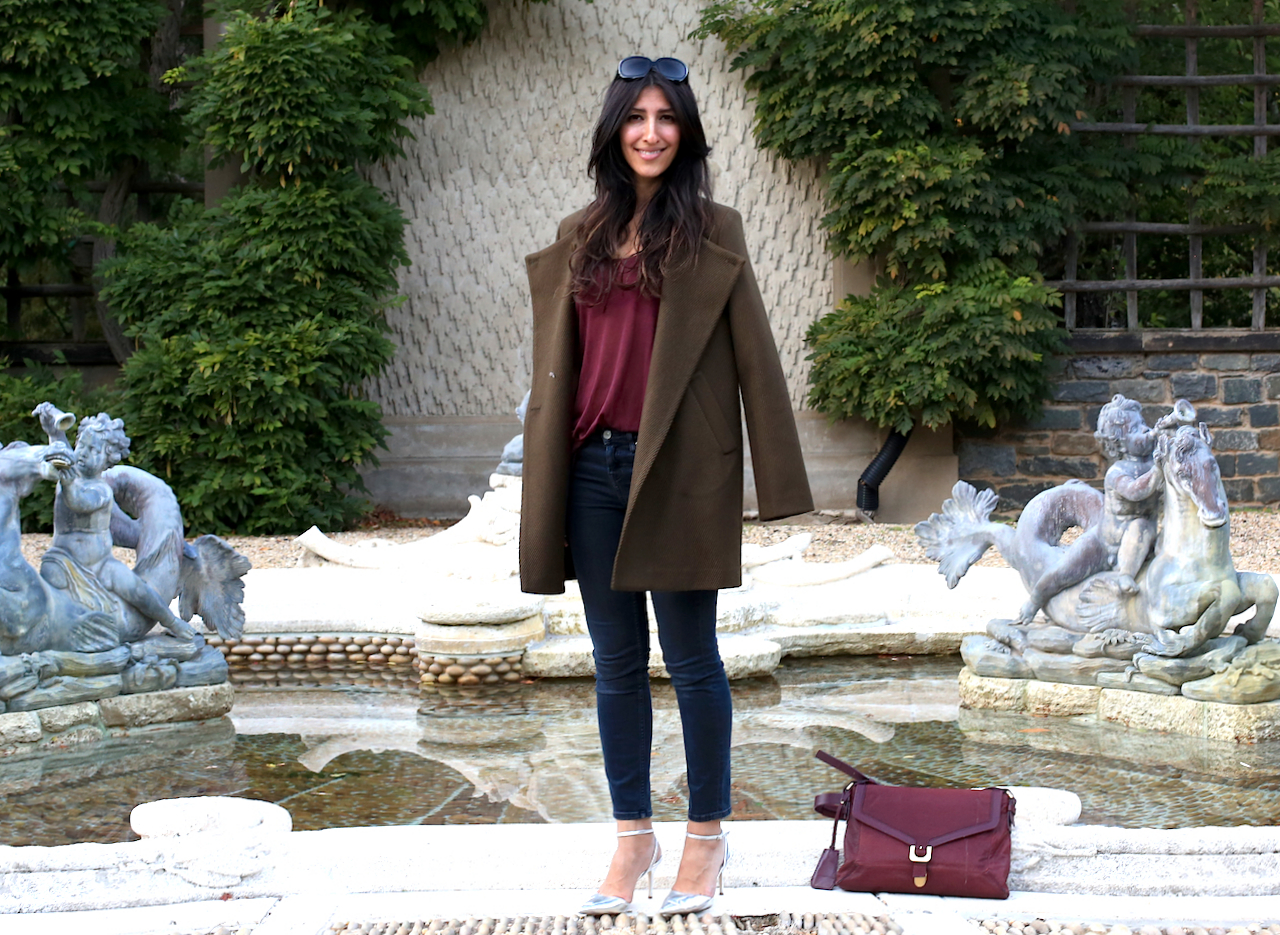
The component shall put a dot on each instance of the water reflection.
(375, 756)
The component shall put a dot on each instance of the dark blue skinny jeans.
(619, 626)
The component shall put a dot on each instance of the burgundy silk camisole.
(615, 338)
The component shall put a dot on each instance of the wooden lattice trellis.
(1195, 283)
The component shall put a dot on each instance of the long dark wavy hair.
(675, 220)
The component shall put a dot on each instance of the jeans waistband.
(612, 436)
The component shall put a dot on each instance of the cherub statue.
(81, 555)
(1122, 540)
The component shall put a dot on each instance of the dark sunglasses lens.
(672, 69)
(634, 66)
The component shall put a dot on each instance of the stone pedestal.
(1246, 723)
(86, 722)
(476, 653)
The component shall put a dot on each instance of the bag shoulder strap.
(842, 766)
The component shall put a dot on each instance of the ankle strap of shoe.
(705, 837)
(630, 834)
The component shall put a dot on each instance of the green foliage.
(944, 123)
(1214, 178)
(944, 127)
(1242, 190)
(423, 28)
(19, 394)
(256, 326)
(420, 29)
(303, 92)
(973, 348)
(74, 99)
(257, 323)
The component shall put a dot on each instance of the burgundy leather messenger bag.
(901, 839)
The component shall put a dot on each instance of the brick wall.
(1232, 378)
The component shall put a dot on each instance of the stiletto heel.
(678, 903)
(600, 905)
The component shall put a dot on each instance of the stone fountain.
(475, 625)
(1138, 604)
(88, 644)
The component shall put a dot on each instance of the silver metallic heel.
(678, 903)
(601, 905)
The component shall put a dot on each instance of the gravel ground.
(1255, 541)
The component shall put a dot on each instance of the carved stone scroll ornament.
(1120, 606)
(86, 625)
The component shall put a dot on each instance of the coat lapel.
(693, 299)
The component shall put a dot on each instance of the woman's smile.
(650, 138)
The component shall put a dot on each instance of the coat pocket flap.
(928, 817)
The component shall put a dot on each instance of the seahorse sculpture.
(86, 626)
(1159, 627)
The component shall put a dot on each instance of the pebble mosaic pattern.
(275, 653)
(708, 924)
(784, 924)
(369, 657)
(1041, 927)
(545, 925)
(471, 670)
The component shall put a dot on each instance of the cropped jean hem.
(712, 817)
(633, 816)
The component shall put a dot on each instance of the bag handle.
(838, 805)
(824, 874)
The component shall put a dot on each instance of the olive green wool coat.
(683, 525)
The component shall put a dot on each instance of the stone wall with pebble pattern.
(1236, 393)
(503, 158)
(303, 658)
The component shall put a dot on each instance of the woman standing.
(647, 327)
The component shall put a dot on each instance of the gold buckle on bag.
(920, 875)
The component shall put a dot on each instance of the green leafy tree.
(422, 29)
(80, 99)
(303, 92)
(944, 126)
(75, 102)
(258, 322)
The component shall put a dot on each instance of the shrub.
(257, 323)
(944, 128)
(972, 348)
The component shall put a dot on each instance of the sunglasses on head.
(637, 66)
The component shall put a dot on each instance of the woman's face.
(650, 137)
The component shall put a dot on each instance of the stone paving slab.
(204, 916)
(1132, 911)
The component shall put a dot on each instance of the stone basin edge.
(1067, 859)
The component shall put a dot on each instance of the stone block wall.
(1232, 379)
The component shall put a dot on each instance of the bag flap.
(928, 817)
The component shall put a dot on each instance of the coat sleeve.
(782, 486)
